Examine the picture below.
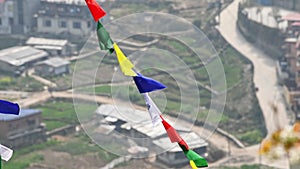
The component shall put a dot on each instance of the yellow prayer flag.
(125, 64)
(193, 165)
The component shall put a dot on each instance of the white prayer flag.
(152, 109)
(5, 153)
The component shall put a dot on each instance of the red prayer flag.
(95, 9)
(172, 133)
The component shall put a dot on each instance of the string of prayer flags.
(105, 42)
(5, 153)
(95, 9)
(125, 64)
(146, 84)
(7, 107)
(152, 109)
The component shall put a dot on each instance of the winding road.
(265, 79)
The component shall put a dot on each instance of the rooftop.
(137, 119)
(292, 17)
(23, 113)
(20, 55)
(63, 8)
(55, 62)
(191, 138)
(46, 42)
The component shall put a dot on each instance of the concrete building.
(52, 67)
(292, 58)
(17, 16)
(137, 124)
(24, 129)
(19, 58)
(55, 47)
(64, 17)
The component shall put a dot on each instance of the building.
(292, 58)
(55, 47)
(19, 58)
(24, 129)
(16, 16)
(137, 124)
(286, 4)
(52, 67)
(64, 18)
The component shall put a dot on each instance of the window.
(76, 25)
(62, 24)
(88, 24)
(0, 21)
(47, 23)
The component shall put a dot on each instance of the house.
(64, 18)
(16, 16)
(55, 47)
(292, 56)
(137, 124)
(25, 129)
(52, 67)
(19, 58)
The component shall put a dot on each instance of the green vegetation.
(79, 145)
(10, 82)
(23, 157)
(251, 137)
(57, 113)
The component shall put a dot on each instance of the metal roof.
(191, 138)
(46, 42)
(136, 119)
(20, 55)
(23, 113)
(292, 17)
(55, 62)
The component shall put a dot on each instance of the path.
(264, 78)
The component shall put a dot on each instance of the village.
(66, 118)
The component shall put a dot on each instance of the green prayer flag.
(198, 160)
(104, 39)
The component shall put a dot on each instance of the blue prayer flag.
(146, 84)
(7, 107)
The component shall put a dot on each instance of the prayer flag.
(172, 133)
(95, 9)
(146, 84)
(183, 145)
(196, 158)
(152, 109)
(104, 39)
(125, 64)
(193, 165)
(7, 107)
(5, 153)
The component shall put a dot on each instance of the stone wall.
(270, 40)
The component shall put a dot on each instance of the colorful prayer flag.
(196, 158)
(7, 107)
(125, 64)
(95, 9)
(152, 109)
(193, 165)
(5, 153)
(172, 133)
(146, 84)
(105, 42)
